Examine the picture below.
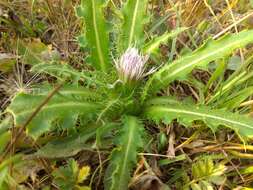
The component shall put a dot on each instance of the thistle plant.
(89, 110)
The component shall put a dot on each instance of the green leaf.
(134, 16)
(70, 176)
(154, 44)
(247, 170)
(210, 51)
(124, 157)
(66, 176)
(67, 146)
(35, 52)
(60, 71)
(229, 85)
(4, 139)
(246, 188)
(95, 32)
(237, 98)
(83, 188)
(69, 102)
(218, 73)
(172, 160)
(3, 175)
(5, 124)
(11, 160)
(206, 186)
(66, 72)
(195, 186)
(7, 171)
(187, 113)
(205, 171)
(103, 131)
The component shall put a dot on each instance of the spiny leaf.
(104, 130)
(67, 103)
(96, 34)
(67, 146)
(187, 113)
(133, 23)
(60, 71)
(66, 72)
(123, 158)
(154, 44)
(210, 51)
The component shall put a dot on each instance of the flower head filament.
(131, 65)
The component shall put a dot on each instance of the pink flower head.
(131, 65)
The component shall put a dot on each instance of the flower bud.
(131, 66)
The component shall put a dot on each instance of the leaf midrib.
(57, 105)
(205, 56)
(201, 115)
(133, 23)
(129, 142)
(99, 49)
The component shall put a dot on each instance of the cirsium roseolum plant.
(110, 104)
